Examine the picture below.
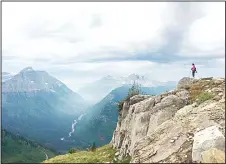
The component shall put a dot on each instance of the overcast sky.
(79, 42)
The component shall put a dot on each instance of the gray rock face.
(162, 128)
(185, 81)
(137, 98)
(144, 117)
(208, 138)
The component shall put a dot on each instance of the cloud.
(79, 42)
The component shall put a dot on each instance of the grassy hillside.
(101, 155)
(16, 149)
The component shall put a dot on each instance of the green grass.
(197, 91)
(100, 155)
(204, 96)
(103, 154)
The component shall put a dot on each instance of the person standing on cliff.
(193, 69)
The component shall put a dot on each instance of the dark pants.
(193, 73)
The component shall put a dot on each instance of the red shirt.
(193, 68)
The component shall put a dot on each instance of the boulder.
(186, 81)
(213, 155)
(217, 98)
(117, 153)
(208, 138)
(217, 89)
(137, 98)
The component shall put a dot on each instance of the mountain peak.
(27, 69)
(31, 80)
(108, 77)
(133, 76)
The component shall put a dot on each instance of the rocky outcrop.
(162, 128)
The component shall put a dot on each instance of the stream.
(73, 126)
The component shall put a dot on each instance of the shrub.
(134, 90)
(72, 150)
(120, 106)
(93, 147)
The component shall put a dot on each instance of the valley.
(39, 107)
(116, 82)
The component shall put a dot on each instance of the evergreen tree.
(93, 148)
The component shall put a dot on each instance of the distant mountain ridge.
(97, 90)
(31, 80)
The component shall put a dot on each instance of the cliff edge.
(184, 125)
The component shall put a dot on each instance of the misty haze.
(110, 82)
